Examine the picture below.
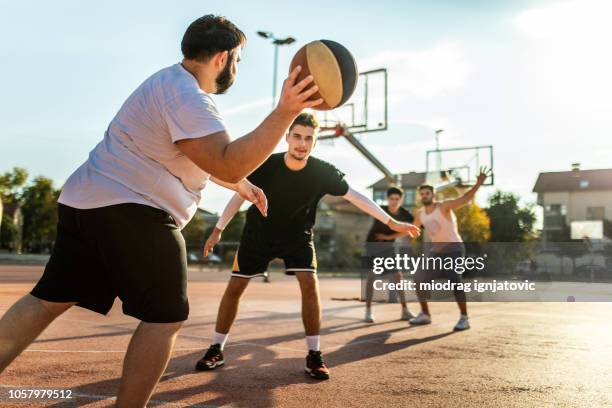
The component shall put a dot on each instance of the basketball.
(333, 68)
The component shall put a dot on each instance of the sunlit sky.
(532, 78)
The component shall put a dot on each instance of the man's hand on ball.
(293, 98)
(254, 194)
(214, 238)
(412, 230)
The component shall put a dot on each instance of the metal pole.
(274, 75)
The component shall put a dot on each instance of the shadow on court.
(252, 372)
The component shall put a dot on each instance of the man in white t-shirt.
(120, 212)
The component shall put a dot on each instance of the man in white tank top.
(440, 223)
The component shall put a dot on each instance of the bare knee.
(308, 282)
(162, 329)
(236, 287)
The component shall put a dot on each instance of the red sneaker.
(315, 366)
(212, 359)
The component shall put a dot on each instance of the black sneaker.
(212, 359)
(315, 366)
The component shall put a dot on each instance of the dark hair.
(426, 187)
(395, 190)
(209, 35)
(306, 119)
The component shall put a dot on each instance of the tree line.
(504, 220)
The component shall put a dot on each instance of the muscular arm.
(460, 201)
(229, 211)
(367, 206)
(247, 191)
(417, 219)
(229, 186)
(469, 195)
(371, 208)
(232, 161)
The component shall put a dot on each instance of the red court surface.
(515, 355)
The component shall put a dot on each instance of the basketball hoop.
(332, 132)
(340, 130)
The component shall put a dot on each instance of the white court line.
(103, 397)
(99, 351)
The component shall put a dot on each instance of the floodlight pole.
(438, 158)
(274, 74)
(276, 42)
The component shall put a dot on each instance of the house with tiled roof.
(573, 196)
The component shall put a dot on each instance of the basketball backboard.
(365, 111)
(458, 166)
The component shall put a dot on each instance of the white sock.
(313, 343)
(219, 338)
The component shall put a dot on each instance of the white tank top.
(440, 228)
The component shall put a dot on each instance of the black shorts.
(256, 252)
(131, 251)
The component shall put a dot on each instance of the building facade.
(575, 195)
(409, 182)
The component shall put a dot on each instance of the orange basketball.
(333, 68)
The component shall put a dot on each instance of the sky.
(532, 78)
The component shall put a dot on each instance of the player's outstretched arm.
(231, 161)
(248, 191)
(371, 208)
(469, 195)
(229, 211)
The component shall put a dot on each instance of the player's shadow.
(275, 315)
(254, 372)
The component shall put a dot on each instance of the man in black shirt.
(380, 242)
(293, 183)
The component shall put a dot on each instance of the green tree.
(509, 221)
(39, 208)
(233, 230)
(8, 231)
(194, 233)
(11, 184)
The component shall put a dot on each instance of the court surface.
(515, 355)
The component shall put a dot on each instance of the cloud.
(572, 21)
(423, 74)
(568, 56)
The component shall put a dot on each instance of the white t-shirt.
(138, 161)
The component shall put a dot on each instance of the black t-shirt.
(292, 195)
(380, 228)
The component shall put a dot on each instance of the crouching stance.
(293, 182)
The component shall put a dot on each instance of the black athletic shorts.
(131, 251)
(256, 251)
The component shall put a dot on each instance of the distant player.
(380, 242)
(440, 225)
(294, 182)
